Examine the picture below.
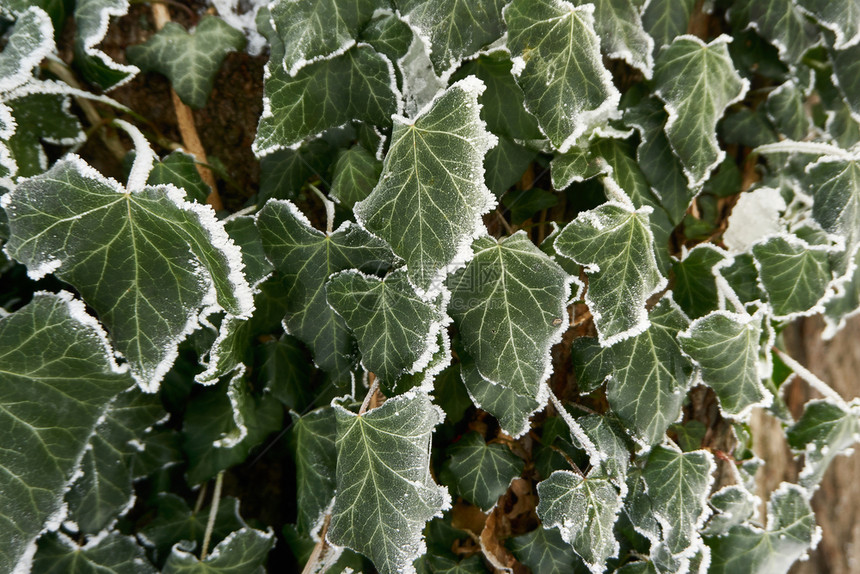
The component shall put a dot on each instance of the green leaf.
(429, 201)
(312, 439)
(584, 510)
(834, 184)
(284, 172)
(31, 39)
(697, 81)
(786, 108)
(144, 258)
(505, 165)
(695, 280)
(41, 118)
(650, 375)
(450, 394)
(286, 372)
(445, 565)
(355, 175)
(481, 472)
(795, 275)
(92, 18)
(823, 431)
(243, 230)
(733, 505)
(59, 377)
(725, 347)
(665, 20)
(844, 303)
(358, 84)
(453, 29)
(390, 446)
(388, 35)
(111, 554)
(543, 551)
(509, 306)
(305, 258)
(845, 70)
(396, 330)
(615, 245)
(607, 439)
(790, 533)
(841, 18)
(622, 35)
(678, 485)
(180, 169)
(742, 277)
(189, 60)
(783, 24)
(747, 127)
(312, 31)
(560, 68)
(577, 164)
(592, 363)
(524, 204)
(243, 551)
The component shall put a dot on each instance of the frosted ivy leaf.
(834, 184)
(189, 60)
(790, 533)
(112, 553)
(312, 439)
(845, 302)
(584, 510)
(650, 375)
(841, 18)
(312, 31)
(786, 108)
(429, 201)
(695, 287)
(243, 230)
(30, 40)
(357, 85)
(560, 68)
(388, 35)
(783, 24)
(733, 505)
(396, 330)
(616, 247)
(794, 274)
(678, 485)
(697, 82)
(755, 216)
(355, 175)
(92, 18)
(825, 430)
(58, 379)
(665, 20)
(578, 164)
(607, 438)
(148, 261)
(622, 35)
(725, 347)
(741, 276)
(245, 550)
(385, 493)
(509, 306)
(481, 472)
(454, 29)
(305, 258)
(543, 551)
(180, 169)
(845, 71)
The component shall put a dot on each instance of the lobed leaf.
(481, 472)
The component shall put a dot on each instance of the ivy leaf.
(58, 379)
(164, 256)
(834, 184)
(109, 554)
(577, 164)
(388, 445)
(357, 85)
(305, 258)
(844, 302)
(445, 565)
(742, 277)
(622, 35)
(786, 108)
(665, 20)
(31, 39)
(481, 472)
(396, 330)
(505, 165)
(543, 551)
(92, 18)
(282, 365)
(355, 175)
(189, 60)
(725, 347)
(313, 31)
(454, 29)
(243, 230)
(616, 247)
(794, 274)
(845, 70)
(429, 202)
(509, 306)
(180, 169)
(791, 532)
(560, 68)
(41, 118)
(677, 487)
(609, 440)
(592, 363)
(695, 280)
(245, 550)
(697, 81)
(584, 510)
(388, 35)
(734, 505)
(650, 375)
(312, 439)
(783, 24)
(841, 18)
(825, 430)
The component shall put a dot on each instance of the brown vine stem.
(185, 122)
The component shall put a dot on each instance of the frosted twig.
(213, 512)
(329, 208)
(810, 378)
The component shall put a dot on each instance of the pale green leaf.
(111, 554)
(695, 287)
(357, 85)
(356, 173)
(92, 18)
(615, 245)
(825, 430)
(584, 510)
(385, 493)
(697, 82)
(543, 551)
(783, 24)
(622, 35)
(606, 437)
(725, 347)
(312, 439)
(396, 330)
(180, 169)
(481, 472)
(560, 68)
(665, 20)
(732, 505)
(794, 274)
(509, 306)
(242, 552)
(790, 533)
(429, 201)
(189, 60)
(30, 40)
(834, 184)
(577, 164)
(145, 259)
(841, 18)
(845, 302)
(58, 379)
(305, 258)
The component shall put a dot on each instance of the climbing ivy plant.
(496, 252)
